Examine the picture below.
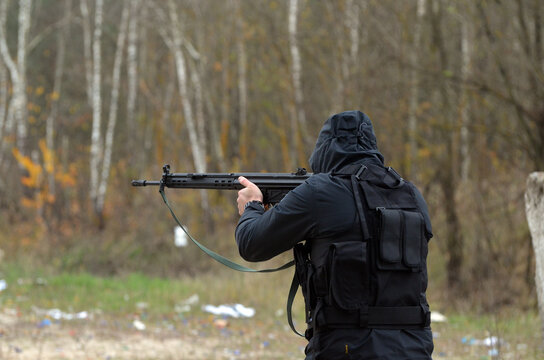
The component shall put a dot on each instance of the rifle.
(274, 186)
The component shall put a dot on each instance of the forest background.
(96, 93)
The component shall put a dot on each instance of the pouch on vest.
(348, 287)
(401, 240)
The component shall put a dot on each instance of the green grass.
(121, 295)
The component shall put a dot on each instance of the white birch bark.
(10, 64)
(242, 83)
(87, 48)
(296, 70)
(199, 156)
(414, 88)
(132, 67)
(57, 87)
(112, 117)
(353, 10)
(17, 113)
(534, 208)
(21, 112)
(466, 53)
(3, 86)
(96, 138)
(3, 100)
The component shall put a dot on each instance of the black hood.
(345, 138)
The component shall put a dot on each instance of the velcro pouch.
(401, 237)
(348, 287)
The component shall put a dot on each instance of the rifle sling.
(216, 256)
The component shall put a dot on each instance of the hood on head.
(345, 138)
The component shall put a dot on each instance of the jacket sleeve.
(262, 235)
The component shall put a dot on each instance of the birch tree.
(175, 45)
(112, 116)
(299, 122)
(96, 104)
(174, 38)
(17, 112)
(132, 70)
(3, 86)
(102, 146)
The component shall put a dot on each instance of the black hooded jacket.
(324, 208)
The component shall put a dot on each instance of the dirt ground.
(101, 338)
(200, 336)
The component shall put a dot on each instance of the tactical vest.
(377, 281)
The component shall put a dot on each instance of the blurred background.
(96, 93)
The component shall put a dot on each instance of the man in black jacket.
(360, 235)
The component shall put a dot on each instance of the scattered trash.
(438, 317)
(40, 281)
(3, 285)
(492, 342)
(44, 323)
(57, 314)
(191, 300)
(493, 352)
(220, 323)
(142, 305)
(182, 308)
(138, 325)
(180, 237)
(185, 305)
(235, 311)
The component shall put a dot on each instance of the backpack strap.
(355, 179)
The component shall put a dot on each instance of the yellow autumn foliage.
(35, 180)
(34, 170)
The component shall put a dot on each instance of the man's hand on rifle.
(249, 193)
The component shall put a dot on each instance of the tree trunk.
(55, 96)
(414, 90)
(466, 75)
(3, 85)
(199, 156)
(21, 112)
(449, 167)
(534, 208)
(17, 112)
(87, 48)
(96, 138)
(132, 72)
(298, 125)
(112, 117)
(242, 85)
(198, 151)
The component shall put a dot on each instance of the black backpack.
(379, 281)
